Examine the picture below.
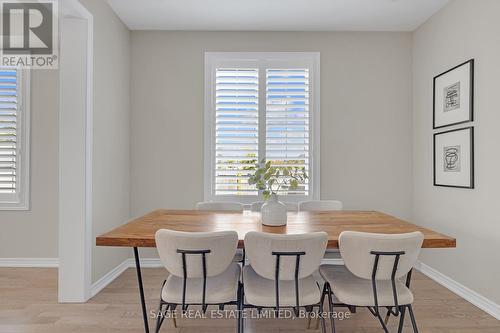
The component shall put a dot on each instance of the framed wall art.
(454, 95)
(454, 158)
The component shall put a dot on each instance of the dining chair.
(201, 271)
(374, 265)
(280, 272)
(257, 206)
(323, 205)
(221, 206)
(224, 206)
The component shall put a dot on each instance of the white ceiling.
(276, 15)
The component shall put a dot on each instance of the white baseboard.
(147, 263)
(469, 295)
(109, 277)
(332, 261)
(29, 262)
(155, 262)
(118, 270)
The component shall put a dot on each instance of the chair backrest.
(259, 248)
(357, 250)
(211, 205)
(222, 246)
(257, 206)
(320, 205)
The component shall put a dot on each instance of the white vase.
(273, 212)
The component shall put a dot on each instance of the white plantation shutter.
(260, 105)
(287, 121)
(14, 125)
(236, 129)
(8, 130)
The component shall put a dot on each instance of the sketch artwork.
(451, 97)
(451, 159)
(454, 158)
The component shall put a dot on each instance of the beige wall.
(111, 131)
(33, 233)
(365, 114)
(462, 30)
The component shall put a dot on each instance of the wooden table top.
(141, 231)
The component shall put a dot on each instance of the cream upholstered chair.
(222, 206)
(318, 206)
(374, 265)
(280, 273)
(201, 270)
(257, 206)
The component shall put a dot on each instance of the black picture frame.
(471, 95)
(471, 129)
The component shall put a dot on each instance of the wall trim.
(146, 263)
(459, 289)
(29, 262)
(332, 261)
(113, 274)
(109, 277)
(155, 262)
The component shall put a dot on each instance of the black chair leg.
(173, 313)
(238, 321)
(242, 321)
(324, 294)
(309, 311)
(377, 314)
(330, 304)
(160, 318)
(387, 316)
(322, 318)
(238, 309)
(242, 312)
(402, 311)
(412, 317)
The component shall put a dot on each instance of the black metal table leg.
(141, 290)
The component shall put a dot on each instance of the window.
(14, 139)
(260, 106)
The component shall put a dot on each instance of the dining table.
(140, 232)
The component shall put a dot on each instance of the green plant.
(273, 179)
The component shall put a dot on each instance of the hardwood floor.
(28, 304)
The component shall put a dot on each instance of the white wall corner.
(469, 295)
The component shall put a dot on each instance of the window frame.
(20, 200)
(262, 60)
